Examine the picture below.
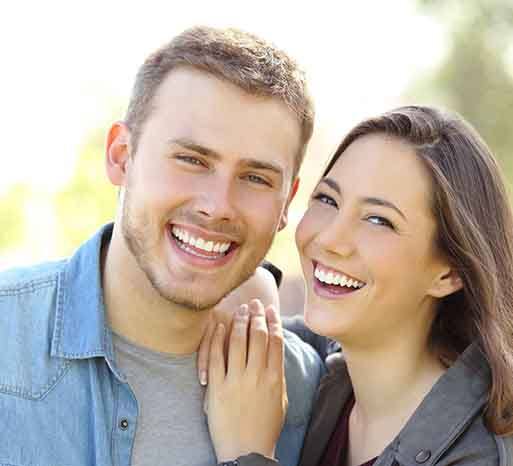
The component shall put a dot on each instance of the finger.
(275, 353)
(205, 402)
(237, 351)
(204, 352)
(223, 313)
(217, 368)
(228, 327)
(258, 334)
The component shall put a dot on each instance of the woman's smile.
(333, 284)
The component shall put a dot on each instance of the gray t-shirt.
(172, 428)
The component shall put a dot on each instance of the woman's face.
(367, 249)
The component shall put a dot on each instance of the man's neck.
(136, 311)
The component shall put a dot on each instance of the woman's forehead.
(383, 167)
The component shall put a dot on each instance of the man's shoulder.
(28, 300)
(301, 355)
(303, 370)
(27, 291)
(505, 449)
(20, 280)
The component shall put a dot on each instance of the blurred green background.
(474, 77)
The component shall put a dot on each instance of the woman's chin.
(320, 322)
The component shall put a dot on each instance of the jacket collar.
(448, 408)
(451, 405)
(80, 329)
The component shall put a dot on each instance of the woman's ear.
(445, 283)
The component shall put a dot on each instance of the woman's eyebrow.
(366, 200)
(332, 184)
(383, 203)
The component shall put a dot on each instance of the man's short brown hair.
(238, 57)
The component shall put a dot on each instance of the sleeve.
(254, 459)
(323, 345)
(275, 272)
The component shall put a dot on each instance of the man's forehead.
(223, 118)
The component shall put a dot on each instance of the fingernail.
(243, 310)
(255, 308)
(203, 377)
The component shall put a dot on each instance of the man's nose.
(217, 201)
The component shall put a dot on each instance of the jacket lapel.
(333, 393)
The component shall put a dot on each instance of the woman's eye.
(381, 221)
(325, 199)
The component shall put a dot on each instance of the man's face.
(208, 186)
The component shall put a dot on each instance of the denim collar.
(80, 329)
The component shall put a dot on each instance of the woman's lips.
(331, 283)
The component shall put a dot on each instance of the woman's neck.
(389, 384)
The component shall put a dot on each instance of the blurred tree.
(12, 215)
(475, 79)
(88, 200)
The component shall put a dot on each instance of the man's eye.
(325, 199)
(190, 159)
(258, 180)
(380, 221)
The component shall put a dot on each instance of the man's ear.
(117, 153)
(445, 283)
(285, 215)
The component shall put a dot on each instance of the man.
(98, 351)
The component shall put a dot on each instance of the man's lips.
(201, 249)
(202, 242)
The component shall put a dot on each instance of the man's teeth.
(199, 243)
(334, 278)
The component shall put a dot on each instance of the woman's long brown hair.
(475, 232)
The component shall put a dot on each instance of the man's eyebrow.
(207, 152)
(194, 146)
(260, 165)
(366, 200)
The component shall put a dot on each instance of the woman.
(407, 252)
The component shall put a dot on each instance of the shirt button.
(423, 456)
(123, 424)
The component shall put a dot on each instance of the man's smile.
(202, 246)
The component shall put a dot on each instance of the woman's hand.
(246, 396)
(260, 285)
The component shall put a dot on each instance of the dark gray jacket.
(446, 430)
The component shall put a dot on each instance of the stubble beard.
(137, 233)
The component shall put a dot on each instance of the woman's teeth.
(334, 278)
(199, 243)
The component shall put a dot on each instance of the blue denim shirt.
(63, 400)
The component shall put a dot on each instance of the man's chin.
(190, 301)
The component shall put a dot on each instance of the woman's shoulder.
(476, 446)
(448, 427)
